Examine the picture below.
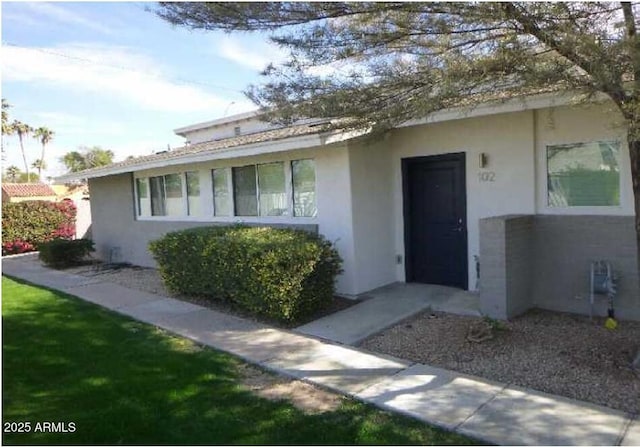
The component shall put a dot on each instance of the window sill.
(586, 210)
(224, 219)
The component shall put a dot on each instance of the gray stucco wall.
(114, 223)
(543, 261)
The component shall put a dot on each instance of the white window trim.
(543, 206)
(229, 186)
(288, 187)
(206, 195)
(185, 203)
(233, 191)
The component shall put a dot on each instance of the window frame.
(233, 183)
(185, 191)
(542, 179)
(137, 198)
(207, 193)
(229, 182)
(283, 165)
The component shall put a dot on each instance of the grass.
(124, 382)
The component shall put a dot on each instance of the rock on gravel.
(553, 352)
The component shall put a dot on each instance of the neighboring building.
(20, 192)
(79, 195)
(75, 192)
(535, 187)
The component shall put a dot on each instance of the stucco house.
(512, 199)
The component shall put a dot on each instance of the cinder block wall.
(564, 248)
(543, 261)
(519, 262)
(506, 261)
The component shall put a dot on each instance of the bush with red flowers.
(26, 225)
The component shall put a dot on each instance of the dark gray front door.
(435, 217)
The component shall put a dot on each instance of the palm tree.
(23, 130)
(7, 128)
(5, 116)
(45, 136)
(40, 165)
(13, 172)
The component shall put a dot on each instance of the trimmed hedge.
(60, 253)
(279, 273)
(26, 225)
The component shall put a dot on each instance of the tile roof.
(27, 190)
(215, 145)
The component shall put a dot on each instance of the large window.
(584, 174)
(260, 190)
(221, 193)
(245, 191)
(193, 193)
(303, 174)
(272, 190)
(268, 189)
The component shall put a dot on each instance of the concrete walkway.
(494, 412)
(388, 305)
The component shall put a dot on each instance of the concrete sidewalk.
(388, 305)
(494, 412)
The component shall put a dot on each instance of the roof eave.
(218, 122)
(516, 104)
(280, 145)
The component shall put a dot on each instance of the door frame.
(406, 205)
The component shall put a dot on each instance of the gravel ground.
(553, 352)
(148, 280)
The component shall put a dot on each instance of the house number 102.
(487, 176)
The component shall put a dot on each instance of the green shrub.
(280, 273)
(65, 253)
(26, 225)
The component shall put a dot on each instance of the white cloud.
(259, 55)
(140, 81)
(256, 57)
(79, 126)
(20, 18)
(64, 15)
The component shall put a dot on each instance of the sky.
(115, 75)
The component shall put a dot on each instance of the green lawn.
(124, 382)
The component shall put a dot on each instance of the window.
(221, 194)
(173, 187)
(144, 204)
(193, 193)
(244, 191)
(303, 173)
(584, 174)
(157, 196)
(271, 188)
(264, 190)
(166, 195)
